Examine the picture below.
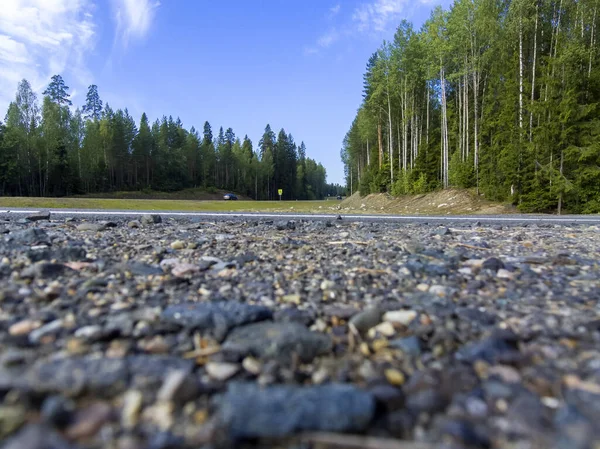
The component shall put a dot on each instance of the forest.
(51, 150)
(494, 95)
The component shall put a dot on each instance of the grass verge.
(164, 205)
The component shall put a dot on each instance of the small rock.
(493, 263)
(58, 411)
(31, 236)
(178, 386)
(149, 219)
(279, 341)
(248, 411)
(39, 216)
(177, 244)
(184, 269)
(95, 227)
(53, 327)
(222, 371)
(132, 405)
(87, 422)
(404, 317)
(366, 319)
(11, 418)
(133, 224)
(44, 270)
(218, 317)
(24, 327)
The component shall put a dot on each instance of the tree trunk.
(533, 74)
(380, 142)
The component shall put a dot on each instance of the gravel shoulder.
(168, 332)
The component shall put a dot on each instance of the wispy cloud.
(40, 38)
(335, 10)
(377, 15)
(134, 18)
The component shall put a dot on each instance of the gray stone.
(149, 219)
(217, 318)
(31, 236)
(366, 319)
(52, 327)
(134, 224)
(279, 341)
(249, 411)
(95, 227)
(39, 216)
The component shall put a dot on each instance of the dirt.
(445, 202)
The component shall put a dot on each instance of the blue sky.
(296, 64)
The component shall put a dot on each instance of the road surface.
(513, 219)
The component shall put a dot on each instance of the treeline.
(53, 151)
(501, 96)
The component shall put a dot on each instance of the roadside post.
(280, 191)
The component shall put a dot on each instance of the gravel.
(166, 332)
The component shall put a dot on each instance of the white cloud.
(40, 38)
(329, 38)
(334, 11)
(377, 15)
(134, 18)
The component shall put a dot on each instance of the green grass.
(164, 205)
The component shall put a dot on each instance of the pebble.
(24, 327)
(95, 227)
(404, 317)
(222, 371)
(366, 319)
(280, 341)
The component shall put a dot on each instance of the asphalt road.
(515, 220)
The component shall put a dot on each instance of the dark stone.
(248, 411)
(66, 254)
(39, 216)
(57, 411)
(44, 270)
(387, 396)
(279, 341)
(500, 347)
(217, 317)
(493, 263)
(31, 236)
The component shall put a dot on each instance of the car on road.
(230, 196)
(339, 197)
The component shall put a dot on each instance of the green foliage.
(499, 96)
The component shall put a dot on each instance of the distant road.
(515, 220)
